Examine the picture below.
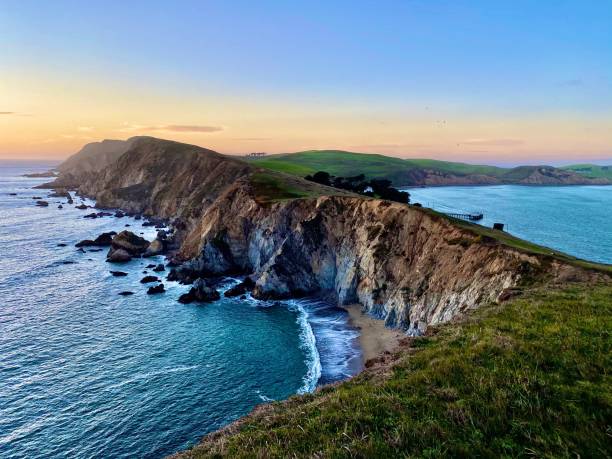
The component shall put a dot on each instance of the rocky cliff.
(406, 265)
(402, 264)
(95, 156)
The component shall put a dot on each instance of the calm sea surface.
(86, 373)
(574, 219)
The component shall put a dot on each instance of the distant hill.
(591, 170)
(415, 172)
(96, 155)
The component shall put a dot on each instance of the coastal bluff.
(406, 265)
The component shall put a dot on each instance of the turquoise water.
(574, 219)
(86, 373)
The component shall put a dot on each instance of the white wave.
(309, 344)
(264, 397)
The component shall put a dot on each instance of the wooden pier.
(471, 217)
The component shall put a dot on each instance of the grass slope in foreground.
(525, 378)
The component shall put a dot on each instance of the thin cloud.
(251, 139)
(85, 128)
(193, 128)
(493, 142)
(187, 128)
(7, 113)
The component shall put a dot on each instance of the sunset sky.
(501, 82)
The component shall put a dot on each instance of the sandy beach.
(374, 337)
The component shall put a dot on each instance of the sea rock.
(60, 207)
(119, 214)
(118, 255)
(200, 292)
(42, 203)
(128, 242)
(81, 207)
(148, 279)
(98, 215)
(156, 247)
(95, 250)
(151, 265)
(60, 194)
(118, 273)
(103, 240)
(36, 197)
(159, 268)
(12, 194)
(240, 289)
(159, 288)
(61, 244)
(126, 293)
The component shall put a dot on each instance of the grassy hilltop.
(405, 172)
(591, 170)
(345, 163)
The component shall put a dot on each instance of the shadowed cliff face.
(403, 264)
(159, 178)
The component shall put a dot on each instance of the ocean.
(574, 219)
(85, 372)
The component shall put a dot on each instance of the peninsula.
(507, 341)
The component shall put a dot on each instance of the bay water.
(574, 219)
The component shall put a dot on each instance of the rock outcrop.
(118, 256)
(155, 289)
(128, 243)
(200, 292)
(103, 240)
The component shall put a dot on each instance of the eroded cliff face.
(405, 265)
(402, 264)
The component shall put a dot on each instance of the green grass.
(272, 187)
(399, 171)
(528, 378)
(340, 163)
(591, 170)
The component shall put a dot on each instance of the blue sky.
(471, 61)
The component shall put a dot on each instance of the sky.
(500, 82)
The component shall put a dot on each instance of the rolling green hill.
(591, 170)
(406, 172)
(345, 163)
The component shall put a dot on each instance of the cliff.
(95, 156)
(406, 265)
